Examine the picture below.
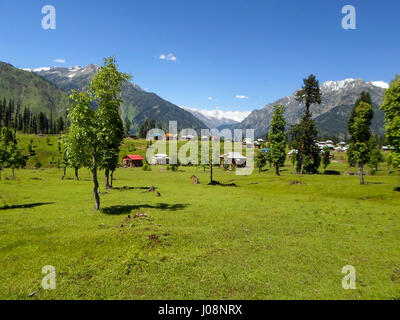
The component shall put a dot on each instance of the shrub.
(146, 167)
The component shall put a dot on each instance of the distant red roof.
(134, 157)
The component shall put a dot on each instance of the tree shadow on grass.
(26, 206)
(117, 210)
(125, 188)
(397, 189)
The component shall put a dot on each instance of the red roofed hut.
(133, 161)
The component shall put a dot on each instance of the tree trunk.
(64, 173)
(13, 174)
(76, 173)
(277, 170)
(95, 186)
(111, 178)
(361, 167)
(211, 173)
(107, 179)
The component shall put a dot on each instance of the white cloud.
(170, 57)
(241, 97)
(59, 60)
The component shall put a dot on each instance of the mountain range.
(47, 89)
(217, 118)
(138, 105)
(331, 116)
(28, 89)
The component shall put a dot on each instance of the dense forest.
(13, 116)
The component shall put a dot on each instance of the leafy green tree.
(15, 158)
(97, 131)
(84, 132)
(391, 106)
(364, 97)
(277, 138)
(3, 157)
(261, 161)
(73, 156)
(376, 156)
(106, 87)
(304, 134)
(359, 149)
(326, 157)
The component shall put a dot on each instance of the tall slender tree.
(359, 150)
(277, 138)
(106, 89)
(304, 134)
(391, 106)
(97, 131)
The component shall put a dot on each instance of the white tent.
(159, 159)
(234, 158)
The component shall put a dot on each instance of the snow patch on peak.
(380, 84)
(237, 116)
(38, 69)
(337, 85)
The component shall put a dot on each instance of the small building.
(234, 159)
(159, 159)
(132, 161)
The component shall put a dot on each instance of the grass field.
(267, 238)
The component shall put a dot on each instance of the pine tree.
(304, 134)
(277, 138)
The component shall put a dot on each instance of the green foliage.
(391, 107)
(359, 149)
(39, 94)
(376, 156)
(94, 137)
(326, 157)
(146, 167)
(304, 134)
(15, 158)
(309, 93)
(261, 161)
(303, 137)
(365, 97)
(277, 138)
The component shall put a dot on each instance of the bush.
(146, 167)
(38, 165)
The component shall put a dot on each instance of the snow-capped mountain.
(138, 105)
(216, 118)
(331, 116)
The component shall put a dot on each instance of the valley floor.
(268, 238)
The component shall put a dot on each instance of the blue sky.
(254, 50)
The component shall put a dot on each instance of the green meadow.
(267, 237)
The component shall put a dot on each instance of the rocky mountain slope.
(331, 115)
(138, 104)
